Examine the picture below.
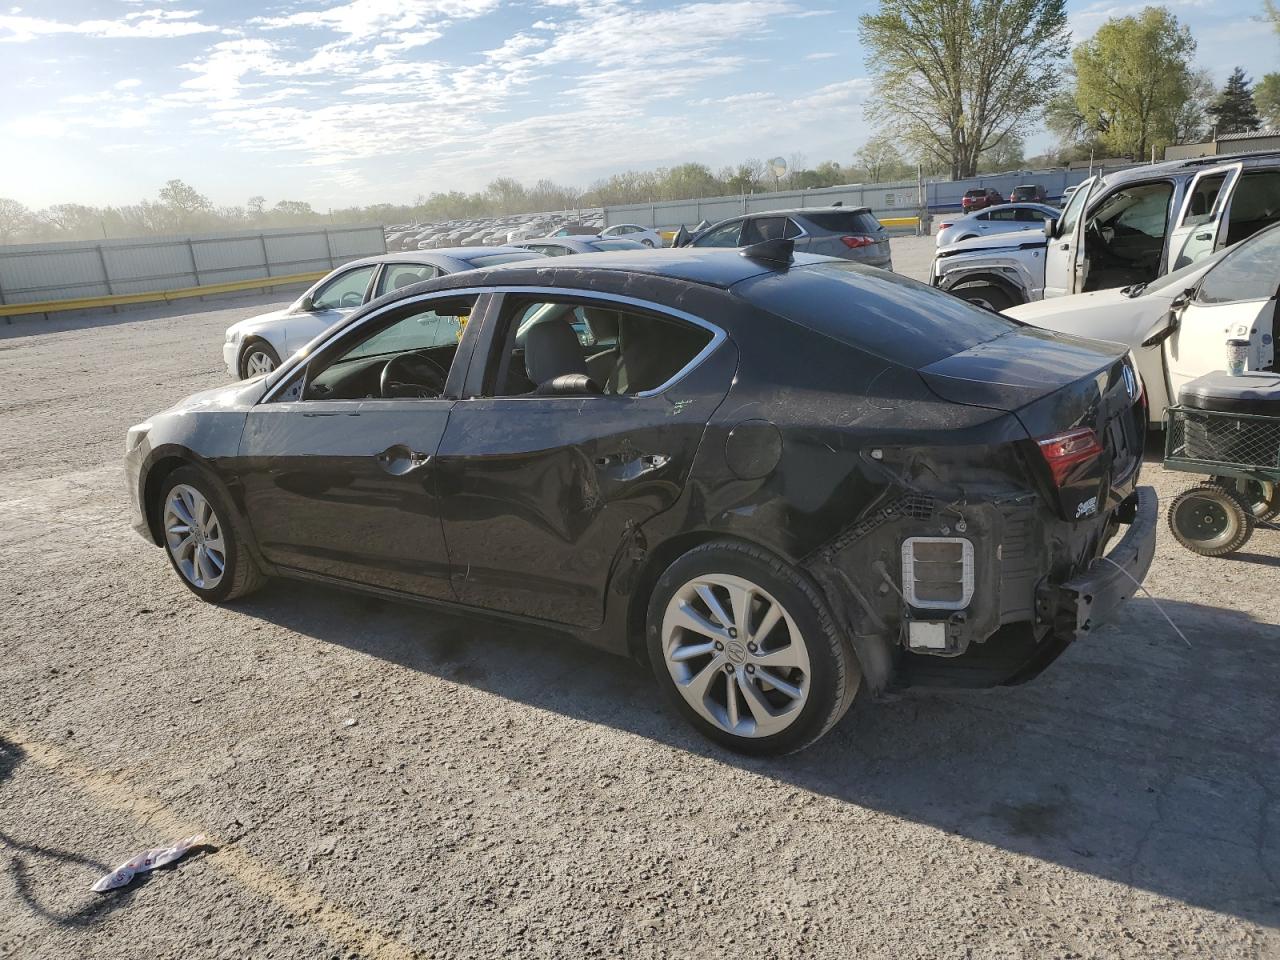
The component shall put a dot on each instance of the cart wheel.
(1262, 497)
(1210, 520)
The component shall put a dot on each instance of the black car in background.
(777, 478)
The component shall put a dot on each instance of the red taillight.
(1065, 451)
(853, 243)
(943, 226)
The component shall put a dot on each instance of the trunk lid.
(1056, 384)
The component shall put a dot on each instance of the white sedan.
(1178, 325)
(633, 231)
(254, 346)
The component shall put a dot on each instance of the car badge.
(1130, 382)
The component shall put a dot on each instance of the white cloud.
(140, 24)
(821, 56)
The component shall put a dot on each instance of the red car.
(979, 199)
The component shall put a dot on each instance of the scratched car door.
(542, 494)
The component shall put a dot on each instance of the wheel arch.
(658, 559)
(249, 340)
(1014, 290)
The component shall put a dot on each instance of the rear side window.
(852, 221)
(885, 314)
(1250, 271)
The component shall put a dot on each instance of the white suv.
(1123, 229)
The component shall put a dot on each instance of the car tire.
(257, 358)
(787, 671)
(1210, 520)
(648, 243)
(986, 295)
(1262, 497)
(213, 561)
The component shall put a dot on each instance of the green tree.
(1234, 111)
(1266, 95)
(1009, 154)
(1132, 78)
(954, 78)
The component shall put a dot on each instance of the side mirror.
(306, 304)
(1050, 227)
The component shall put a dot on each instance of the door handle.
(1204, 236)
(399, 459)
(1064, 246)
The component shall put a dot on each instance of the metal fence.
(906, 198)
(33, 273)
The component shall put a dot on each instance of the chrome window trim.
(300, 357)
(718, 336)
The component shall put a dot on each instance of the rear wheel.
(1210, 520)
(201, 539)
(747, 650)
(986, 295)
(258, 358)
(1262, 497)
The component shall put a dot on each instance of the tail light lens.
(1067, 450)
(944, 225)
(853, 243)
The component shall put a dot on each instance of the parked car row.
(492, 231)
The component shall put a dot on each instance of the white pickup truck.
(1126, 228)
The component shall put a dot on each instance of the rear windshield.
(975, 193)
(493, 259)
(885, 314)
(852, 221)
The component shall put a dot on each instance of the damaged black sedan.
(778, 478)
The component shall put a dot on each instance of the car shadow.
(1134, 758)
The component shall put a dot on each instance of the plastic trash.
(148, 860)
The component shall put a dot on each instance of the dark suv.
(1028, 193)
(850, 233)
(979, 199)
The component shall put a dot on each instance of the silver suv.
(1119, 230)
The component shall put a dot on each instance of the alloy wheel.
(258, 363)
(736, 655)
(193, 535)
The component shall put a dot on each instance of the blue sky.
(356, 101)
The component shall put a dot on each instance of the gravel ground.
(380, 781)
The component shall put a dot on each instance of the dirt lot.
(505, 793)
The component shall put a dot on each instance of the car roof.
(805, 211)
(709, 267)
(1257, 158)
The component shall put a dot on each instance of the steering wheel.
(412, 375)
(352, 298)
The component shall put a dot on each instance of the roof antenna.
(778, 251)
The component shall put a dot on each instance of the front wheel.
(201, 539)
(1210, 520)
(258, 358)
(747, 650)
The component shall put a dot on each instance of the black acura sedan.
(777, 477)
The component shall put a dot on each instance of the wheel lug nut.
(750, 668)
(751, 647)
(733, 634)
(728, 668)
(719, 645)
